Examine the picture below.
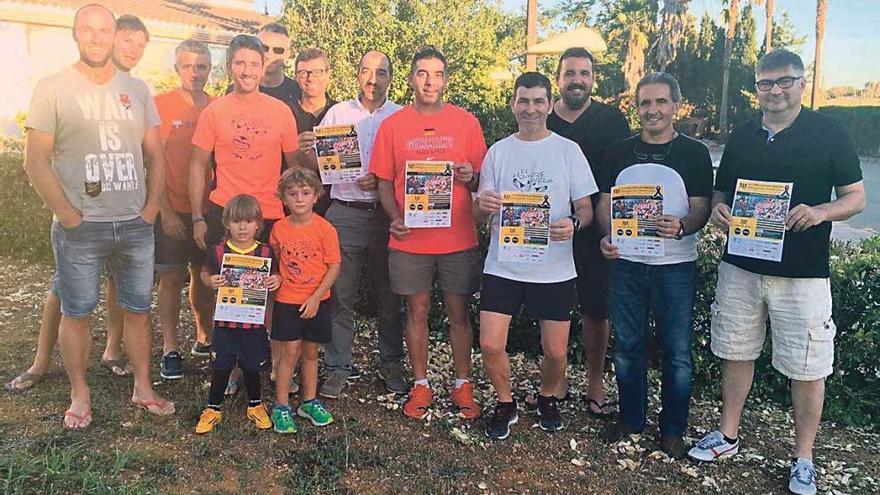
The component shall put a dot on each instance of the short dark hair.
(311, 54)
(425, 52)
(130, 22)
(275, 27)
(574, 52)
(661, 78)
(780, 60)
(390, 65)
(532, 80)
(300, 177)
(247, 41)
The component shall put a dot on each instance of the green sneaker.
(282, 420)
(315, 412)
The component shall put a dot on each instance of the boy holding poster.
(244, 271)
(529, 183)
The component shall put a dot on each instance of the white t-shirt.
(553, 165)
(366, 126)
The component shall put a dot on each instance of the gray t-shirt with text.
(98, 131)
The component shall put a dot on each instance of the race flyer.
(243, 297)
(428, 195)
(634, 212)
(757, 229)
(339, 156)
(525, 227)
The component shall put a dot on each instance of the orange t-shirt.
(179, 118)
(248, 134)
(449, 135)
(303, 251)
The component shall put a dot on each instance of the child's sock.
(423, 382)
(252, 385)
(459, 382)
(218, 387)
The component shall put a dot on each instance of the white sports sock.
(424, 382)
(459, 382)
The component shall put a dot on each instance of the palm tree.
(732, 17)
(821, 11)
(769, 8)
(672, 26)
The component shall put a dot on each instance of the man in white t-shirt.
(530, 258)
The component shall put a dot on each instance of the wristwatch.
(680, 233)
(576, 222)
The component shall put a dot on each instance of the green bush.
(862, 124)
(24, 222)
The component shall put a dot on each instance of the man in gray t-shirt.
(93, 154)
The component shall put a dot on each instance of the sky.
(852, 38)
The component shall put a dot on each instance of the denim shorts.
(81, 252)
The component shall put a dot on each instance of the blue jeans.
(82, 251)
(668, 291)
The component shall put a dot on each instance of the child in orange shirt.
(308, 249)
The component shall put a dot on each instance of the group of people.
(175, 182)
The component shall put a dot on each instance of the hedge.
(862, 124)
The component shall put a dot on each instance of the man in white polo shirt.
(362, 226)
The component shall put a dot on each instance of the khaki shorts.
(800, 319)
(458, 273)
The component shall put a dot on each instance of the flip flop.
(161, 404)
(605, 414)
(84, 419)
(23, 381)
(121, 364)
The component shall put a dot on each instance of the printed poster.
(757, 229)
(524, 234)
(428, 194)
(243, 297)
(339, 155)
(634, 212)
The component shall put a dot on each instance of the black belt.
(360, 205)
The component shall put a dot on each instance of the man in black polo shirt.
(786, 144)
(312, 69)
(593, 126)
(276, 45)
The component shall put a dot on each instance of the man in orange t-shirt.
(248, 132)
(179, 111)
(431, 130)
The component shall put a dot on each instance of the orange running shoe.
(464, 399)
(419, 399)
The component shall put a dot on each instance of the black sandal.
(605, 414)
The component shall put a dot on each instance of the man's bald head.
(94, 27)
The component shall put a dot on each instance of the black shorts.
(248, 347)
(593, 273)
(288, 326)
(553, 301)
(172, 253)
(216, 230)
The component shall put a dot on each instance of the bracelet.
(198, 219)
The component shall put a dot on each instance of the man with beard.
(362, 226)
(594, 126)
(91, 136)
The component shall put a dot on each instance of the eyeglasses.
(304, 74)
(783, 83)
(277, 50)
(657, 157)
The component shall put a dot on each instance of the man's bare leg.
(554, 344)
(493, 345)
(736, 381)
(76, 344)
(595, 336)
(168, 302)
(417, 333)
(201, 300)
(115, 321)
(137, 345)
(807, 400)
(50, 319)
(461, 335)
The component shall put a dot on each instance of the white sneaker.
(802, 480)
(713, 447)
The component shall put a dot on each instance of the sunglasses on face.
(783, 83)
(277, 50)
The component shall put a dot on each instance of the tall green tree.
(672, 25)
(821, 13)
(732, 18)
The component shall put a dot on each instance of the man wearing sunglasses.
(276, 46)
(678, 170)
(786, 143)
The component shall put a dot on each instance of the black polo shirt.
(306, 121)
(816, 155)
(595, 129)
